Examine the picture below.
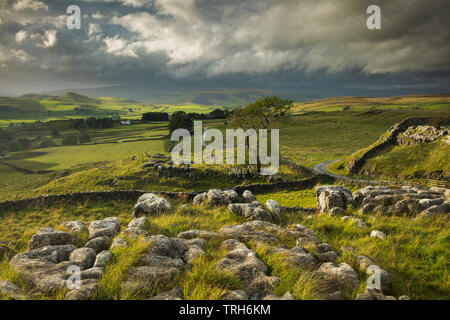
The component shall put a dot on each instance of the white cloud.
(94, 28)
(120, 47)
(21, 35)
(30, 4)
(49, 39)
(97, 16)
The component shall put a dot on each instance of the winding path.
(321, 168)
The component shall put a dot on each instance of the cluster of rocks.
(170, 170)
(421, 134)
(163, 259)
(410, 200)
(249, 209)
(52, 258)
(51, 253)
(165, 167)
(384, 200)
(216, 197)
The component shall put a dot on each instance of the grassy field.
(31, 108)
(398, 162)
(364, 104)
(306, 139)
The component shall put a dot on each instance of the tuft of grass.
(205, 282)
(110, 285)
(301, 283)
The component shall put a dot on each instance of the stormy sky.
(320, 47)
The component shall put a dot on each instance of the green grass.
(110, 286)
(291, 198)
(400, 161)
(411, 102)
(301, 283)
(420, 159)
(415, 253)
(204, 281)
(68, 106)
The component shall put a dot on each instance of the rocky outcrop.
(52, 260)
(245, 264)
(108, 227)
(329, 197)
(405, 200)
(216, 197)
(248, 196)
(250, 211)
(48, 236)
(10, 290)
(340, 277)
(150, 204)
(421, 134)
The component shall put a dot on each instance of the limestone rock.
(274, 208)
(329, 197)
(336, 211)
(365, 262)
(99, 244)
(9, 289)
(107, 227)
(359, 223)
(248, 196)
(243, 262)
(161, 262)
(251, 211)
(48, 237)
(378, 234)
(119, 243)
(75, 226)
(84, 256)
(102, 259)
(136, 228)
(217, 197)
(373, 294)
(338, 277)
(150, 204)
(174, 294)
(199, 199)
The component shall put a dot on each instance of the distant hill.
(72, 96)
(372, 104)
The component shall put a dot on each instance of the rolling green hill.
(32, 107)
(367, 104)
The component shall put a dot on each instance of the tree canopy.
(261, 114)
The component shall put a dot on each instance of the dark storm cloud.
(264, 42)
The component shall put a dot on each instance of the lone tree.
(264, 113)
(261, 114)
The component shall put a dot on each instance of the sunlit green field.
(71, 105)
(363, 104)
